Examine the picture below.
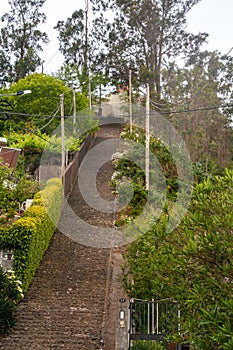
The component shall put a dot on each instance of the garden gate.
(151, 322)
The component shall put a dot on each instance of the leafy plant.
(15, 188)
(29, 236)
(40, 110)
(10, 294)
(147, 345)
(192, 264)
(7, 319)
(126, 168)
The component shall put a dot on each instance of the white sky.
(211, 16)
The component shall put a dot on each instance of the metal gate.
(151, 323)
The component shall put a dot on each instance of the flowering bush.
(29, 236)
(15, 188)
(10, 293)
(13, 287)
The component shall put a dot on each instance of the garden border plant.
(125, 168)
(29, 236)
(192, 265)
(10, 293)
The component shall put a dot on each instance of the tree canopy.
(196, 92)
(21, 40)
(40, 110)
(144, 34)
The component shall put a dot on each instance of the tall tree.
(200, 88)
(147, 32)
(76, 43)
(80, 45)
(21, 40)
(5, 66)
(73, 41)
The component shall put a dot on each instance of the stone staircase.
(71, 303)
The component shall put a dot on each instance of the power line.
(46, 63)
(39, 136)
(153, 103)
(44, 116)
(193, 109)
(201, 88)
(43, 127)
(227, 54)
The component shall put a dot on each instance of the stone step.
(66, 304)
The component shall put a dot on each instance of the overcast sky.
(211, 16)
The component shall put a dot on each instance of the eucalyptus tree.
(229, 78)
(80, 44)
(197, 90)
(21, 40)
(146, 33)
(72, 35)
(5, 66)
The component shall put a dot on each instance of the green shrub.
(10, 294)
(15, 188)
(30, 235)
(10, 287)
(4, 239)
(7, 319)
(193, 265)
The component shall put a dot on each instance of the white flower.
(117, 155)
(18, 282)
(115, 175)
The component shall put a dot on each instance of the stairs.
(69, 302)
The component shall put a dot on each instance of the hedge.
(30, 235)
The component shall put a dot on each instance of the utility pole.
(100, 96)
(89, 88)
(86, 53)
(63, 155)
(147, 137)
(75, 112)
(86, 34)
(130, 102)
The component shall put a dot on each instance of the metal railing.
(152, 322)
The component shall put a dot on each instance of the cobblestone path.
(71, 303)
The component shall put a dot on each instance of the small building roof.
(9, 156)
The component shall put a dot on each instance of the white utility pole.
(89, 90)
(63, 153)
(130, 102)
(74, 114)
(147, 137)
